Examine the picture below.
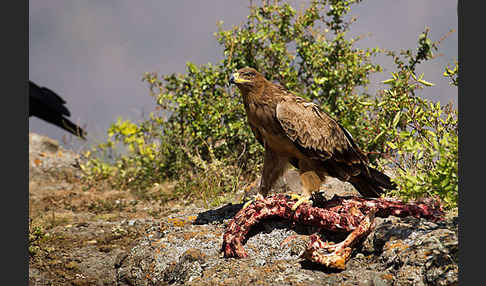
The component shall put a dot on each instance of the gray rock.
(405, 251)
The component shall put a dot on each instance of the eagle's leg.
(310, 184)
(273, 168)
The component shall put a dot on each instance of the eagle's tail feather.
(372, 185)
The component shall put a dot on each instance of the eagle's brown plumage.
(293, 130)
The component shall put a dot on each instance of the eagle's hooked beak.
(235, 78)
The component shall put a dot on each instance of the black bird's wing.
(47, 105)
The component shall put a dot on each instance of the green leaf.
(378, 136)
(396, 119)
(426, 83)
(391, 144)
(365, 103)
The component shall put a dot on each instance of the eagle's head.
(247, 78)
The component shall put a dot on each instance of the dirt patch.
(83, 235)
(77, 233)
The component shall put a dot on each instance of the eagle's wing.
(315, 133)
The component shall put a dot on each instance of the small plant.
(37, 235)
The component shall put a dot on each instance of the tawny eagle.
(296, 131)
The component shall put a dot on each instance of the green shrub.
(198, 136)
(422, 137)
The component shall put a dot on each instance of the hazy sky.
(94, 53)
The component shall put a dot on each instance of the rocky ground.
(80, 235)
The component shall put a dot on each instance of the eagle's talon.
(300, 200)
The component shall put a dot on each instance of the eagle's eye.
(250, 74)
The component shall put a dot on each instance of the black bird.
(47, 105)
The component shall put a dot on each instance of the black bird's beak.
(232, 79)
